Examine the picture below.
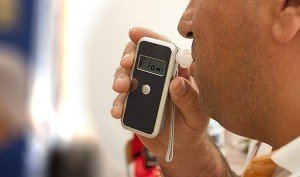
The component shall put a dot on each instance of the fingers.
(118, 106)
(137, 33)
(122, 76)
(128, 56)
(186, 97)
(122, 80)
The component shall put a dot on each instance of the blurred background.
(57, 61)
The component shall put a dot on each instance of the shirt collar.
(288, 157)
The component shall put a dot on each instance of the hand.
(190, 123)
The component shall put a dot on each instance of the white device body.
(172, 68)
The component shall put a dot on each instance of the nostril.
(190, 34)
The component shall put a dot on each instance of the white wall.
(96, 36)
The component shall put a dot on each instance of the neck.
(284, 135)
(285, 128)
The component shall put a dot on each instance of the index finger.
(137, 33)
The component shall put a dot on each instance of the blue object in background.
(21, 35)
(12, 158)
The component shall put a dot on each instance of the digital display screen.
(152, 65)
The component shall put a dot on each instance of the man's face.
(234, 66)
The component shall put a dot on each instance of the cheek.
(220, 36)
(216, 31)
(206, 23)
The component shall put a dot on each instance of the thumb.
(186, 97)
(137, 33)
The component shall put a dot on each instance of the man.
(247, 76)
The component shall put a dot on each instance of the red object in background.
(140, 169)
(136, 147)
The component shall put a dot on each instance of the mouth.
(193, 50)
(192, 68)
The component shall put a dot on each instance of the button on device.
(146, 89)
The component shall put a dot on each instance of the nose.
(185, 26)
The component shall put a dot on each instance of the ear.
(287, 20)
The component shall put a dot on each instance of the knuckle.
(121, 97)
(121, 72)
(129, 48)
(115, 101)
(118, 71)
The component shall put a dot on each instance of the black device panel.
(141, 110)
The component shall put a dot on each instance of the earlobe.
(287, 25)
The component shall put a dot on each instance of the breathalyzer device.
(154, 66)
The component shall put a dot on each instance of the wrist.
(185, 161)
(202, 160)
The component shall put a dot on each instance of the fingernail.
(125, 57)
(118, 79)
(113, 107)
(181, 88)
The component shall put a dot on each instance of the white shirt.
(288, 160)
